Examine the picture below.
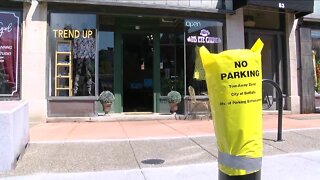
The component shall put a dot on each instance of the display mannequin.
(83, 55)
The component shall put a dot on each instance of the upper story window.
(10, 54)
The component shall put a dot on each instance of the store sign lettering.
(204, 38)
(67, 34)
(192, 24)
(281, 5)
(5, 28)
(2, 54)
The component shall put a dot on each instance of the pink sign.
(9, 49)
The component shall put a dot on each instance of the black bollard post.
(252, 176)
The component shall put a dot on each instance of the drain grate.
(153, 161)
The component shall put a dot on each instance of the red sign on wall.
(9, 49)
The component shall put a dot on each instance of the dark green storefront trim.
(123, 26)
(118, 85)
(156, 71)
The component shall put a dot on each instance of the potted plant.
(106, 99)
(174, 98)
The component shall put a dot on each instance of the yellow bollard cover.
(234, 81)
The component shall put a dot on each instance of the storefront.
(71, 52)
(138, 57)
(309, 32)
(10, 51)
(275, 23)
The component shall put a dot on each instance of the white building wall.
(235, 30)
(293, 78)
(34, 45)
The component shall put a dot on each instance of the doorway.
(138, 53)
(272, 54)
(272, 61)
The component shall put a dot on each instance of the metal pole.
(279, 136)
(253, 176)
(279, 106)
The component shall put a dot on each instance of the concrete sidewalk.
(288, 167)
(163, 149)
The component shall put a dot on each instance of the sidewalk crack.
(310, 137)
(125, 132)
(276, 147)
(190, 139)
(180, 132)
(203, 148)
(70, 132)
(134, 154)
(135, 157)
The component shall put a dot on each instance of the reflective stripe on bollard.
(240, 162)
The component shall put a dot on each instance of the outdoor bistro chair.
(197, 106)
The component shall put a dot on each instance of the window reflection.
(200, 33)
(78, 30)
(106, 55)
(172, 58)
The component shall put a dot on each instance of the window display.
(9, 53)
(83, 54)
(63, 69)
(74, 35)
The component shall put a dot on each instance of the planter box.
(14, 132)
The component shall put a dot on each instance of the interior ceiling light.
(168, 20)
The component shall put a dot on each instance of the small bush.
(174, 97)
(106, 97)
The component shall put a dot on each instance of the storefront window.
(106, 55)
(73, 49)
(9, 53)
(172, 58)
(200, 33)
(315, 35)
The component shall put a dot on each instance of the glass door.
(138, 53)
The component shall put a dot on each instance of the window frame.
(18, 74)
(186, 44)
(50, 55)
